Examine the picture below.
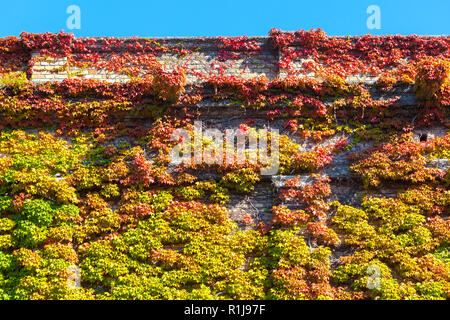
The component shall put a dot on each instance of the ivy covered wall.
(89, 193)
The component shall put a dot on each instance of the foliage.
(87, 183)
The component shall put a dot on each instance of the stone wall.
(222, 115)
(204, 58)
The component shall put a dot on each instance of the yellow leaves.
(101, 221)
(401, 160)
(337, 82)
(405, 73)
(16, 80)
(61, 234)
(433, 76)
(47, 186)
(6, 241)
(85, 178)
(354, 223)
(20, 142)
(115, 171)
(27, 258)
(36, 161)
(393, 232)
(5, 164)
(242, 181)
(60, 251)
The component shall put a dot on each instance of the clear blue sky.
(169, 18)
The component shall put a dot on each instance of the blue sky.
(171, 18)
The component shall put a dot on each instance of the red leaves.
(245, 89)
(247, 220)
(13, 54)
(349, 56)
(77, 88)
(324, 234)
(292, 125)
(87, 102)
(433, 88)
(283, 215)
(239, 44)
(281, 39)
(332, 58)
(340, 145)
(401, 160)
(142, 172)
(319, 107)
(161, 132)
(318, 190)
(263, 228)
(314, 160)
(53, 44)
(311, 196)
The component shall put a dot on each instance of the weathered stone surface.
(442, 164)
(203, 59)
(257, 204)
(226, 114)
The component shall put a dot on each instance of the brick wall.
(222, 116)
(203, 59)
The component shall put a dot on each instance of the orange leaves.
(300, 283)
(311, 196)
(150, 235)
(439, 228)
(169, 86)
(167, 258)
(313, 160)
(245, 89)
(292, 281)
(138, 210)
(322, 232)
(239, 44)
(309, 193)
(297, 83)
(433, 81)
(401, 160)
(283, 215)
(350, 56)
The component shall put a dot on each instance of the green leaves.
(242, 181)
(5, 204)
(28, 234)
(40, 212)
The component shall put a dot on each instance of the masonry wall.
(223, 115)
(204, 59)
